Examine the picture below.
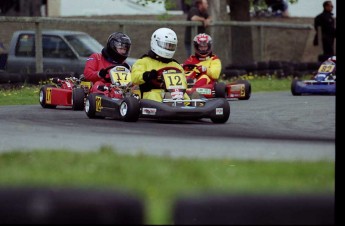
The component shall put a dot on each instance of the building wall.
(66, 8)
(54, 8)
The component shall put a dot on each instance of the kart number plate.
(326, 68)
(175, 81)
(120, 74)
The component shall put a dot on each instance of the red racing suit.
(213, 65)
(93, 65)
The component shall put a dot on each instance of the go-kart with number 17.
(118, 99)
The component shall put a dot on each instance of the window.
(25, 46)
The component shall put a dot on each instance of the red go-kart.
(240, 89)
(70, 91)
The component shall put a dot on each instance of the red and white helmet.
(201, 41)
(333, 59)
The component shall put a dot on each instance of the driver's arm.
(92, 68)
(138, 69)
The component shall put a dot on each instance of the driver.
(144, 70)
(116, 52)
(208, 64)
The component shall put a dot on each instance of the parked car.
(63, 51)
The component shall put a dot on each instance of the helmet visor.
(167, 46)
(122, 48)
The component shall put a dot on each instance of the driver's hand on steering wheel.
(149, 75)
(102, 73)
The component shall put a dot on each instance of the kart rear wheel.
(43, 96)
(90, 106)
(220, 90)
(130, 109)
(293, 88)
(247, 89)
(78, 99)
(226, 113)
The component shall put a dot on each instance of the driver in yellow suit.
(144, 70)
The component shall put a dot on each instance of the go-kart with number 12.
(172, 87)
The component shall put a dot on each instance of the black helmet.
(118, 40)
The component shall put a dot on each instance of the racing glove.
(202, 69)
(149, 75)
(102, 73)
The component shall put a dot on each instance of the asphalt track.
(268, 126)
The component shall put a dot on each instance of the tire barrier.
(68, 206)
(255, 210)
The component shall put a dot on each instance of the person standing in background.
(326, 21)
(198, 12)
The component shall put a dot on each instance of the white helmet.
(164, 42)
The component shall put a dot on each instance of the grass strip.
(160, 180)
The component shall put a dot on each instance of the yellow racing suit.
(146, 64)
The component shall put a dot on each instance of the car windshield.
(84, 44)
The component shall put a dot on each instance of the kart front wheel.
(220, 90)
(45, 96)
(91, 105)
(78, 96)
(130, 109)
(223, 118)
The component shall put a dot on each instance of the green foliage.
(25, 94)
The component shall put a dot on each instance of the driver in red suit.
(116, 52)
(208, 64)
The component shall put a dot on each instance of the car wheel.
(43, 96)
(226, 113)
(78, 96)
(247, 90)
(130, 109)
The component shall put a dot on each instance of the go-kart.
(118, 99)
(240, 89)
(324, 82)
(70, 91)
(172, 86)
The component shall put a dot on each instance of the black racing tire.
(43, 96)
(293, 88)
(226, 113)
(78, 99)
(247, 89)
(220, 90)
(130, 109)
(90, 105)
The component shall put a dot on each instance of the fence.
(260, 28)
